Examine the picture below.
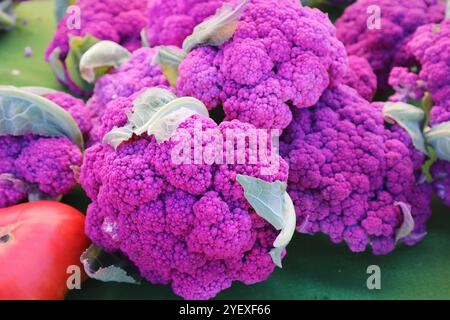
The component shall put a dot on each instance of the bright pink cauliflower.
(135, 74)
(188, 225)
(171, 21)
(120, 21)
(361, 77)
(281, 55)
(382, 44)
(429, 48)
(37, 167)
(353, 176)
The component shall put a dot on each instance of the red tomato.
(38, 242)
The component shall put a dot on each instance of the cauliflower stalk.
(198, 226)
(41, 143)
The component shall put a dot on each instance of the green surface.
(313, 269)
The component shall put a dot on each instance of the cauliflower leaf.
(409, 118)
(23, 112)
(439, 139)
(106, 267)
(158, 112)
(271, 202)
(407, 225)
(169, 58)
(218, 29)
(100, 57)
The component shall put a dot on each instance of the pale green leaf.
(144, 38)
(409, 118)
(158, 112)
(104, 54)
(271, 202)
(439, 139)
(22, 112)
(407, 225)
(107, 267)
(169, 58)
(56, 65)
(77, 47)
(7, 15)
(218, 29)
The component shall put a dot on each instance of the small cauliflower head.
(379, 29)
(355, 177)
(41, 142)
(87, 22)
(429, 79)
(161, 196)
(171, 21)
(257, 58)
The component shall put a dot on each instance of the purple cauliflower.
(136, 73)
(279, 55)
(378, 30)
(35, 166)
(353, 176)
(361, 77)
(429, 48)
(86, 23)
(171, 21)
(188, 224)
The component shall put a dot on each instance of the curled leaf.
(104, 54)
(169, 58)
(408, 222)
(22, 112)
(156, 111)
(218, 29)
(271, 202)
(107, 267)
(439, 139)
(144, 38)
(56, 65)
(410, 118)
(78, 46)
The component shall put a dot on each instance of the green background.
(313, 269)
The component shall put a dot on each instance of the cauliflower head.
(280, 55)
(86, 23)
(383, 42)
(39, 156)
(171, 21)
(354, 177)
(188, 224)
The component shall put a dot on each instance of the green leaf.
(439, 139)
(56, 65)
(144, 38)
(108, 267)
(409, 118)
(407, 225)
(7, 15)
(158, 112)
(169, 58)
(78, 46)
(218, 29)
(271, 202)
(22, 112)
(102, 55)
